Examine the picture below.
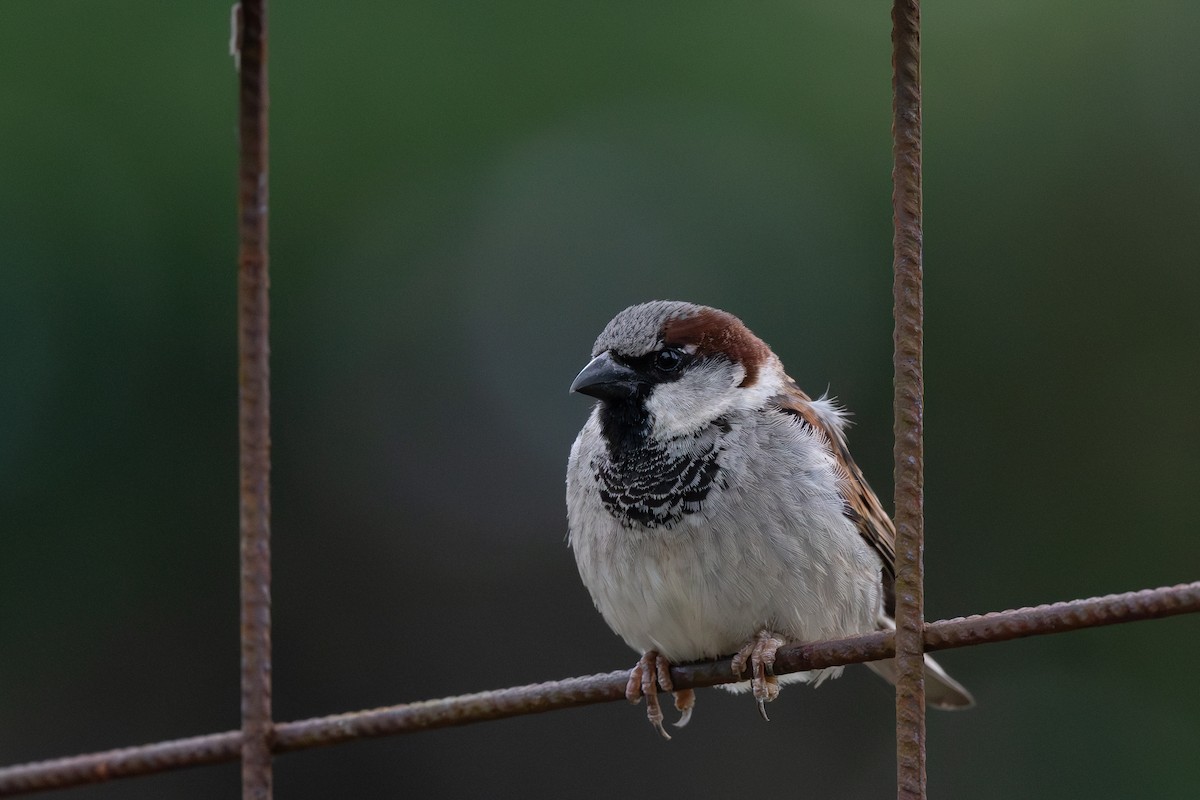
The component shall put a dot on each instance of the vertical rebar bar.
(254, 404)
(909, 398)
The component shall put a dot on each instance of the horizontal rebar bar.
(943, 635)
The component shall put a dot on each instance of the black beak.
(605, 379)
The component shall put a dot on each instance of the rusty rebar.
(909, 400)
(254, 397)
(604, 687)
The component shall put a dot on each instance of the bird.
(713, 509)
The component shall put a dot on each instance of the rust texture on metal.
(127, 762)
(410, 718)
(909, 398)
(254, 404)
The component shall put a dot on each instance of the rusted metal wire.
(909, 403)
(63, 773)
(604, 687)
(254, 404)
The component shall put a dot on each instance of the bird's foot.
(760, 652)
(651, 673)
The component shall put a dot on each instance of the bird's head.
(666, 369)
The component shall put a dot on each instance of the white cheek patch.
(706, 391)
(767, 385)
(677, 409)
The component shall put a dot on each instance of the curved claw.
(685, 700)
(658, 725)
(651, 673)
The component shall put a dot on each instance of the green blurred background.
(462, 195)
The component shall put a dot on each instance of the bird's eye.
(668, 360)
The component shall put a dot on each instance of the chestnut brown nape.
(713, 331)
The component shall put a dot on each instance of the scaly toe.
(653, 709)
(738, 665)
(662, 669)
(651, 674)
(633, 688)
(760, 652)
(644, 681)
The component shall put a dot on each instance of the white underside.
(815, 677)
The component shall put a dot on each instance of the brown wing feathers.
(862, 507)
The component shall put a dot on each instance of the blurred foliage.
(462, 195)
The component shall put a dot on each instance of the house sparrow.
(714, 508)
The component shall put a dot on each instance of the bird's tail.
(941, 691)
